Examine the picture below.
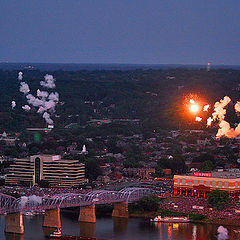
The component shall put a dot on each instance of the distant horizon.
(116, 63)
(21, 66)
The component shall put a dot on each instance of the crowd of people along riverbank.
(197, 209)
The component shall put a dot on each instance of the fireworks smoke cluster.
(44, 102)
(219, 114)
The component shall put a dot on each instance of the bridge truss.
(10, 204)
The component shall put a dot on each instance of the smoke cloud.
(54, 97)
(42, 94)
(26, 107)
(33, 199)
(44, 101)
(47, 118)
(24, 88)
(219, 114)
(13, 104)
(222, 233)
(20, 76)
(36, 102)
(23, 201)
(48, 81)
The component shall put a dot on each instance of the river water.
(120, 229)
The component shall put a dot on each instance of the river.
(120, 229)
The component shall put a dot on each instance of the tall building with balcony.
(58, 172)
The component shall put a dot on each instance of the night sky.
(120, 31)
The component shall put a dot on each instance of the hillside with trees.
(156, 97)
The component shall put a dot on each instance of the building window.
(178, 180)
(214, 183)
(208, 183)
(37, 170)
(195, 182)
(220, 184)
(236, 184)
(189, 183)
(201, 182)
(226, 184)
(184, 181)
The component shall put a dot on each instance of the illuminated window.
(226, 184)
(37, 170)
(220, 184)
(189, 182)
(178, 180)
(201, 182)
(184, 181)
(208, 183)
(195, 182)
(214, 184)
(236, 184)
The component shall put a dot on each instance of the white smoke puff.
(219, 111)
(41, 110)
(48, 81)
(35, 199)
(20, 76)
(24, 88)
(50, 105)
(47, 105)
(23, 201)
(47, 118)
(226, 130)
(42, 94)
(26, 107)
(222, 233)
(36, 102)
(13, 104)
(54, 96)
(237, 106)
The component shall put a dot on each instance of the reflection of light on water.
(169, 232)
(175, 226)
(161, 232)
(194, 232)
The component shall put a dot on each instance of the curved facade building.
(58, 172)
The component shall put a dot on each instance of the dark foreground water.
(121, 229)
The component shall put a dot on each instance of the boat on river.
(170, 219)
(56, 234)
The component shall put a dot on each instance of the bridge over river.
(14, 207)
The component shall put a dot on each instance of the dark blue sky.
(120, 31)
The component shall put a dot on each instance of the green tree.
(218, 198)
(2, 182)
(150, 203)
(207, 166)
(158, 172)
(92, 169)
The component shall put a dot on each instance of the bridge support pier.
(120, 210)
(87, 214)
(14, 223)
(52, 218)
